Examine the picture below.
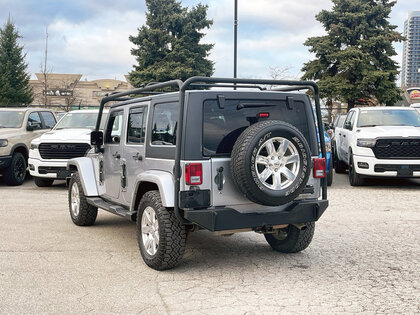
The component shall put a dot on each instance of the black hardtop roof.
(213, 93)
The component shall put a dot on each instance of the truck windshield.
(222, 126)
(388, 117)
(11, 119)
(80, 120)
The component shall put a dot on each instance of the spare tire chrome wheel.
(271, 162)
(277, 163)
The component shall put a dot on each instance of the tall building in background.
(410, 74)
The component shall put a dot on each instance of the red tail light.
(194, 174)
(320, 168)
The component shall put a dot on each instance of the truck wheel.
(15, 174)
(271, 163)
(291, 239)
(160, 235)
(354, 178)
(82, 213)
(43, 182)
(339, 166)
(330, 175)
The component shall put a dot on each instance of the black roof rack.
(206, 82)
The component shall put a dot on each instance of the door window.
(49, 120)
(114, 128)
(349, 118)
(136, 129)
(352, 118)
(34, 121)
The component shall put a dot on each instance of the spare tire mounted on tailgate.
(271, 162)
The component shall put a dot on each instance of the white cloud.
(98, 46)
(271, 33)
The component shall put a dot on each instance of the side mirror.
(96, 138)
(33, 125)
(347, 125)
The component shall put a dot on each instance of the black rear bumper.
(222, 219)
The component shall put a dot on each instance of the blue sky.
(91, 36)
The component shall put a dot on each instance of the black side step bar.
(115, 209)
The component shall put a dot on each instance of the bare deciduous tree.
(278, 73)
(70, 95)
(45, 71)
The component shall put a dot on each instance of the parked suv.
(220, 160)
(70, 138)
(18, 126)
(379, 142)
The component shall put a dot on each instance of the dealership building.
(69, 91)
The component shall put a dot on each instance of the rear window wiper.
(252, 105)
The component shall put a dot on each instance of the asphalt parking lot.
(364, 258)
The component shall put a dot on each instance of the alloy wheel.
(277, 163)
(150, 230)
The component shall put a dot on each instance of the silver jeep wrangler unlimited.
(205, 158)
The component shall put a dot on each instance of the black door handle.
(116, 155)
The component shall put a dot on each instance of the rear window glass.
(222, 126)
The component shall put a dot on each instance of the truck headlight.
(4, 143)
(34, 146)
(367, 143)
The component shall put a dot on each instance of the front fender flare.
(164, 181)
(84, 166)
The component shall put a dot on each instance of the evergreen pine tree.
(168, 46)
(353, 61)
(14, 80)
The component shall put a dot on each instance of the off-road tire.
(339, 166)
(295, 241)
(354, 178)
(243, 161)
(172, 234)
(15, 174)
(87, 213)
(43, 182)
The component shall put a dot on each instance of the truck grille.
(397, 149)
(63, 150)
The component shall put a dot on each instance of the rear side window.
(49, 119)
(136, 126)
(222, 126)
(165, 118)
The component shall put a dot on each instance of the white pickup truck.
(378, 142)
(70, 138)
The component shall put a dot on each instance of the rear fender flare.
(163, 180)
